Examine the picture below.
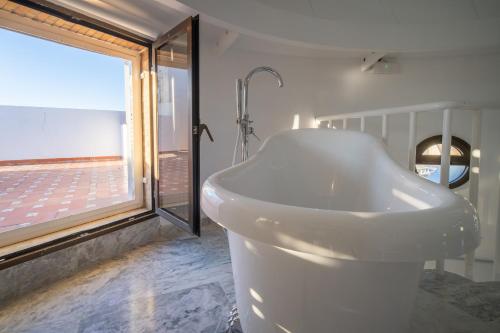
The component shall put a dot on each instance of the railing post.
(496, 260)
(384, 128)
(412, 133)
(474, 181)
(344, 123)
(445, 166)
(475, 145)
(445, 148)
(363, 124)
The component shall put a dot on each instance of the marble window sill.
(37, 241)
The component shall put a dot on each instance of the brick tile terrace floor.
(174, 178)
(31, 194)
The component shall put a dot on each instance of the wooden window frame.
(141, 116)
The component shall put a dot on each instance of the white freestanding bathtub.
(328, 234)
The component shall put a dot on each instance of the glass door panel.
(176, 65)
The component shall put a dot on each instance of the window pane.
(433, 172)
(66, 119)
(174, 118)
(435, 150)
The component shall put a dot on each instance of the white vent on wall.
(386, 66)
(379, 63)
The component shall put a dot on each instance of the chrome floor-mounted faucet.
(243, 121)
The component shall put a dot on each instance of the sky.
(37, 72)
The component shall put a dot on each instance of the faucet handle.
(253, 133)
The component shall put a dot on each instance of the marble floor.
(185, 285)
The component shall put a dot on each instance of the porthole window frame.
(456, 142)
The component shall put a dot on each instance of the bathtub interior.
(332, 170)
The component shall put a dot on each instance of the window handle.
(204, 127)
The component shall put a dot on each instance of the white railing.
(447, 108)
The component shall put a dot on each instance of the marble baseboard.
(21, 279)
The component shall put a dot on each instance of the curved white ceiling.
(391, 11)
(403, 26)
(318, 28)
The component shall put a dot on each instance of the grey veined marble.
(197, 309)
(185, 285)
(180, 285)
(19, 280)
(478, 299)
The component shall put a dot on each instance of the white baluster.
(496, 264)
(412, 134)
(445, 166)
(384, 129)
(445, 148)
(474, 181)
(362, 125)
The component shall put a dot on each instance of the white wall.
(39, 133)
(328, 86)
(271, 108)
(346, 88)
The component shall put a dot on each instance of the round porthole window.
(428, 160)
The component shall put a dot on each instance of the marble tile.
(192, 310)
(432, 314)
(478, 299)
(37, 273)
(158, 277)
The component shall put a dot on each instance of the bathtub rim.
(383, 237)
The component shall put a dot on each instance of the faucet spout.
(267, 69)
(246, 83)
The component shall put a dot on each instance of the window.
(71, 124)
(428, 160)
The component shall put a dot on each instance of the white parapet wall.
(46, 133)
